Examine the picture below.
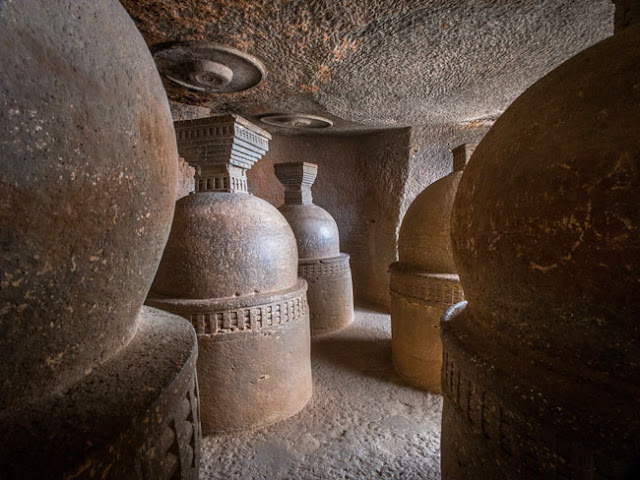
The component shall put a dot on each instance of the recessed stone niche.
(230, 267)
(541, 374)
(92, 385)
(424, 282)
(321, 264)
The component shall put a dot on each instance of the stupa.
(230, 267)
(541, 375)
(321, 264)
(424, 283)
(93, 384)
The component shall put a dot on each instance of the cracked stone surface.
(376, 63)
(363, 421)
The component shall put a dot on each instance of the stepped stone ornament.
(230, 268)
(321, 264)
(424, 283)
(541, 374)
(93, 385)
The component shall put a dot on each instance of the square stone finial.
(297, 178)
(222, 148)
(462, 155)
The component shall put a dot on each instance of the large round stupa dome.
(225, 245)
(546, 221)
(315, 230)
(424, 242)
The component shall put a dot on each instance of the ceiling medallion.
(208, 67)
(296, 120)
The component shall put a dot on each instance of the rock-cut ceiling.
(368, 64)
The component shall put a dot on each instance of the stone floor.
(363, 421)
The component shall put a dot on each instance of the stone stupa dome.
(315, 230)
(424, 241)
(547, 245)
(321, 263)
(424, 281)
(229, 245)
(230, 267)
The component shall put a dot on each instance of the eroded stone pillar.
(230, 267)
(321, 264)
(423, 282)
(541, 374)
(91, 384)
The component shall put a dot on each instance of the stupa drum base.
(508, 417)
(249, 349)
(120, 421)
(330, 293)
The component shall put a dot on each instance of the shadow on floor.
(368, 357)
(370, 307)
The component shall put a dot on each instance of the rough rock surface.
(542, 368)
(90, 385)
(381, 63)
(367, 182)
(186, 182)
(430, 154)
(360, 180)
(362, 423)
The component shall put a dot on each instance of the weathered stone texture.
(230, 268)
(366, 183)
(202, 240)
(186, 179)
(91, 385)
(423, 281)
(430, 154)
(359, 184)
(321, 264)
(541, 368)
(381, 63)
(330, 293)
(182, 111)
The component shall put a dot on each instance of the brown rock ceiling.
(373, 64)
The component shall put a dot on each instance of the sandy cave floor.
(363, 421)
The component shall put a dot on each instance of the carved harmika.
(222, 148)
(297, 178)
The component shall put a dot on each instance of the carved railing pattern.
(429, 289)
(174, 453)
(322, 269)
(517, 436)
(250, 318)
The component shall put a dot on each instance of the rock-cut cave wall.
(359, 185)
(367, 182)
